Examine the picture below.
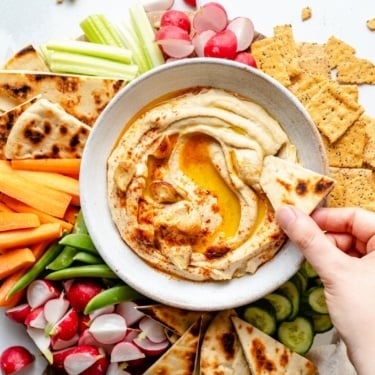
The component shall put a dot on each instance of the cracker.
(354, 188)
(369, 149)
(306, 86)
(333, 110)
(313, 59)
(337, 51)
(371, 24)
(270, 60)
(347, 151)
(355, 70)
(306, 13)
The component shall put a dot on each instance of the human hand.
(348, 275)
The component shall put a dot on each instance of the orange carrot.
(66, 166)
(17, 220)
(45, 199)
(25, 237)
(14, 260)
(44, 218)
(4, 207)
(71, 214)
(5, 288)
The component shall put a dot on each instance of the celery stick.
(145, 34)
(64, 62)
(92, 49)
(99, 29)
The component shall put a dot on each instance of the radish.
(40, 291)
(174, 41)
(125, 352)
(42, 342)
(80, 359)
(18, 313)
(131, 334)
(192, 3)
(222, 45)
(211, 16)
(14, 359)
(60, 355)
(81, 292)
(246, 58)
(83, 323)
(98, 368)
(55, 308)
(243, 28)
(67, 327)
(103, 310)
(86, 338)
(200, 40)
(151, 348)
(152, 329)
(108, 328)
(176, 18)
(155, 5)
(128, 310)
(59, 344)
(115, 369)
(36, 319)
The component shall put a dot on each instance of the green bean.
(85, 257)
(37, 269)
(112, 296)
(92, 270)
(64, 259)
(80, 241)
(79, 225)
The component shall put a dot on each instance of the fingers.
(320, 251)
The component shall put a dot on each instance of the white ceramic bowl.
(168, 78)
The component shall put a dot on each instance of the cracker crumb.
(306, 13)
(371, 24)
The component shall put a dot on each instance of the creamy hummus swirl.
(183, 185)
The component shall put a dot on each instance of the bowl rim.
(155, 284)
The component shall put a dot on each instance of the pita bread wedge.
(81, 96)
(181, 357)
(175, 319)
(221, 352)
(267, 356)
(285, 182)
(26, 59)
(7, 121)
(45, 130)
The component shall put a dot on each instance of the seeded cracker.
(369, 150)
(347, 151)
(337, 52)
(306, 13)
(371, 24)
(312, 59)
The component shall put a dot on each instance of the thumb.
(310, 239)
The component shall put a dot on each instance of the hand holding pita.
(339, 243)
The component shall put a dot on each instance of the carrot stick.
(36, 195)
(6, 286)
(17, 220)
(14, 260)
(71, 214)
(5, 208)
(44, 218)
(25, 237)
(66, 166)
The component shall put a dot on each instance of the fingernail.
(285, 216)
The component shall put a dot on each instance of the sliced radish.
(200, 40)
(126, 351)
(151, 348)
(222, 45)
(83, 323)
(36, 319)
(243, 28)
(128, 310)
(59, 344)
(176, 49)
(39, 292)
(98, 368)
(67, 327)
(18, 313)
(115, 369)
(55, 308)
(152, 329)
(211, 16)
(104, 310)
(41, 341)
(131, 334)
(86, 338)
(14, 359)
(108, 328)
(176, 18)
(192, 3)
(60, 355)
(77, 362)
(246, 58)
(155, 5)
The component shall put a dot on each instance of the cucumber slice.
(316, 300)
(261, 314)
(282, 305)
(301, 281)
(321, 322)
(298, 334)
(308, 270)
(289, 290)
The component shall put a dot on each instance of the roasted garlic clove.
(164, 192)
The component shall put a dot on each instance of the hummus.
(183, 185)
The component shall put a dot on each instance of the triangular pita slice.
(45, 130)
(181, 357)
(267, 356)
(82, 96)
(7, 121)
(221, 352)
(26, 59)
(285, 182)
(175, 319)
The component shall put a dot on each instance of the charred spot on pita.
(228, 342)
(322, 186)
(302, 187)
(258, 351)
(21, 91)
(34, 136)
(74, 141)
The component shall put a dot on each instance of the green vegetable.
(315, 300)
(84, 257)
(92, 270)
(321, 322)
(79, 241)
(63, 260)
(111, 296)
(37, 269)
(262, 315)
(282, 305)
(289, 290)
(80, 225)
